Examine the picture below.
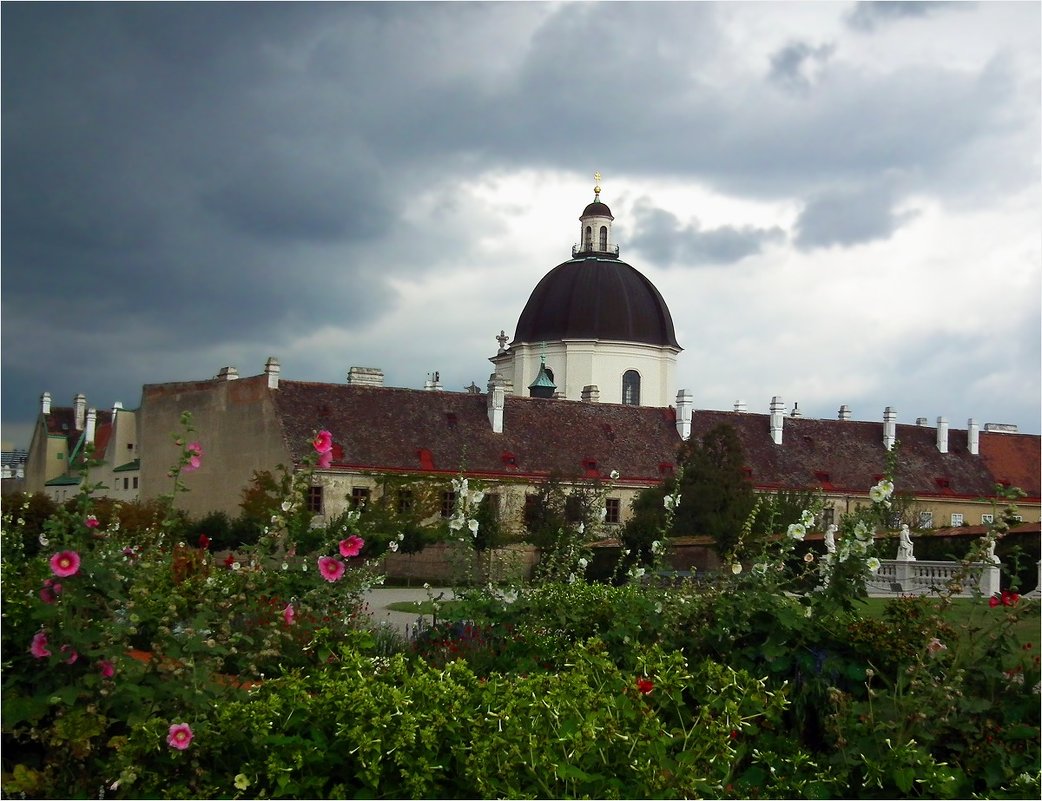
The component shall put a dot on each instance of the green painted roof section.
(123, 468)
(63, 481)
(543, 379)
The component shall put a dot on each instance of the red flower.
(1009, 598)
(229, 560)
(645, 686)
(994, 601)
(204, 541)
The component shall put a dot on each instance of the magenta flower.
(289, 614)
(73, 656)
(352, 546)
(323, 442)
(39, 646)
(179, 736)
(91, 522)
(65, 564)
(107, 668)
(50, 591)
(325, 460)
(195, 455)
(330, 568)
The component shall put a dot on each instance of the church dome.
(597, 209)
(594, 297)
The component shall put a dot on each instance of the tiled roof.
(403, 429)
(390, 429)
(1013, 458)
(62, 422)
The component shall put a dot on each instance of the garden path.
(379, 598)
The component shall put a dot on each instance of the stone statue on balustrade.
(904, 548)
(830, 538)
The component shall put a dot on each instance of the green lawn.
(977, 618)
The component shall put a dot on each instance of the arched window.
(589, 238)
(631, 388)
(604, 237)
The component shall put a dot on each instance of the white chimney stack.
(921, 422)
(272, 370)
(942, 435)
(116, 407)
(796, 411)
(739, 406)
(972, 436)
(496, 402)
(92, 424)
(79, 404)
(844, 412)
(227, 374)
(685, 403)
(777, 419)
(45, 403)
(889, 427)
(591, 394)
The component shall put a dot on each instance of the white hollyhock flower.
(614, 475)
(473, 526)
(393, 546)
(872, 564)
(807, 518)
(797, 531)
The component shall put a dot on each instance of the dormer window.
(631, 388)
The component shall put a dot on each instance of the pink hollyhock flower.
(645, 686)
(91, 522)
(352, 546)
(323, 442)
(179, 736)
(288, 614)
(39, 646)
(195, 455)
(106, 668)
(65, 564)
(50, 591)
(73, 656)
(325, 460)
(330, 568)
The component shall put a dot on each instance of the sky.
(841, 203)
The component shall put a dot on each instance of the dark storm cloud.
(661, 237)
(848, 216)
(867, 15)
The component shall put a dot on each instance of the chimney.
(496, 402)
(591, 394)
(942, 435)
(795, 411)
(972, 436)
(116, 407)
(433, 383)
(844, 412)
(92, 424)
(370, 377)
(889, 427)
(739, 406)
(45, 403)
(79, 404)
(684, 407)
(920, 421)
(777, 419)
(272, 370)
(227, 374)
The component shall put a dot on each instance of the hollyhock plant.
(179, 736)
(325, 460)
(72, 654)
(65, 564)
(330, 568)
(107, 668)
(323, 442)
(50, 591)
(204, 541)
(91, 522)
(352, 546)
(39, 645)
(645, 686)
(195, 455)
(289, 614)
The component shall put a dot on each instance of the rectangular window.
(135, 482)
(315, 500)
(987, 519)
(448, 503)
(406, 500)
(126, 483)
(828, 516)
(926, 520)
(573, 509)
(359, 497)
(956, 519)
(614, 509)
(1017, 518)
(492, 502)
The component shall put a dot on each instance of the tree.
(716, 495)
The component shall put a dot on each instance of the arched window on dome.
(604, 237)
(588, 243)
(631, 388)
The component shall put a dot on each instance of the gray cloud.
(848, 216)
(793, 66)
(662, 238)
(867, 15)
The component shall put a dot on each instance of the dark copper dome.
(597, 209)
(596, 297)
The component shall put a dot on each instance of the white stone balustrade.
(900, 577)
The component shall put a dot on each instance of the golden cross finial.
(597, 187)
(597, 177)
